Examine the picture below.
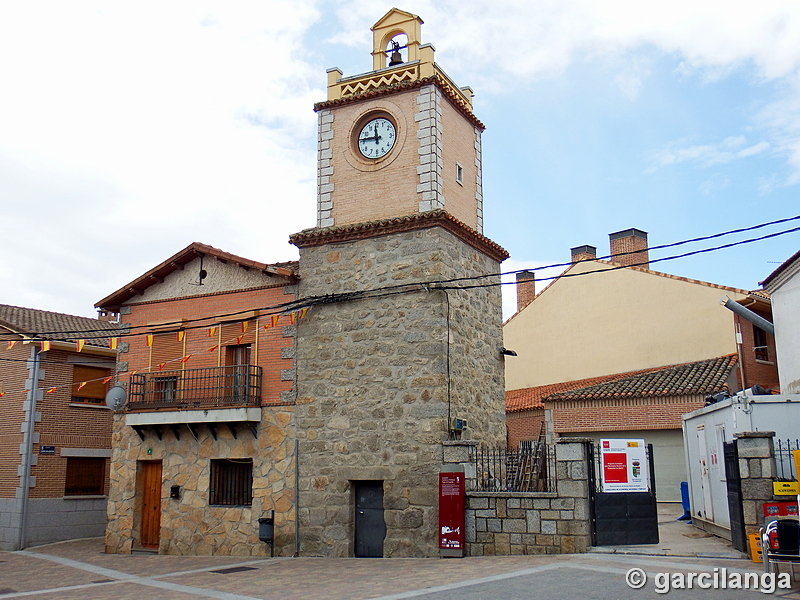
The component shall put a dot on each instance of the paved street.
(80, 570)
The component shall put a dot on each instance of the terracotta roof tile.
(55, 326)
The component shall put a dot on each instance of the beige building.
(598, 347)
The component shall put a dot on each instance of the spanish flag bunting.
(239, 339)
(303, 312)
(149, 339)
(213, 348)
(114, 344)
(81, 385)
(45, 346)
(212, 331)
(244, 326)
(107, 379)
(180, 335)
(79, 344)
(275, 320)
(51, 390)
(268, 325)
(161, 366)
(292, 317)
(132, 373)
(11, 344)
(2, 394)
(186, 358)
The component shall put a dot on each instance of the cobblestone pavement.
(80, 570)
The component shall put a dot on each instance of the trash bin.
(687, 514)
(266, 529)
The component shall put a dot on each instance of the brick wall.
(756, 371)
(622, 414)
(524, 425)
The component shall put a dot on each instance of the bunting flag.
(186, 358)
(213, 348)
(80, 385)
(51, 390)
(45, 346)
(79, 344)
(107, 379)
(180, 335)
(275, 320)
(149, 339)
(303, 312)
(114, 343)
(11, 344)
(239, 340)
(244, 326)
(2, 394)
(268, 325)
(212, 331)
(161, 366)
(292, 317)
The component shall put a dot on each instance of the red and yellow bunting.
(45, 346)
(150, 338)
(11, 344)
(179, 335)
(275, 320)
(245, 324)
(114, 343)
(213, 348)
(161, 366)
(186, 358)
(212, 331)
(107, 379)
(51, 390)
(81, 385)
(79, 344)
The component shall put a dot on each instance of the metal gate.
(622, 518)
(733, 482)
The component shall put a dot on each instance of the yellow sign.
(785, 488)
(796, 456)
(633, 444)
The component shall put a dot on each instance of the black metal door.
(623, 518)
(370, 529)
(734, 484)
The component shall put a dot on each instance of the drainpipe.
(748, 314)
(28, 443)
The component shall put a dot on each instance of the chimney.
(526, 291)
(583, 253)
(629, 247)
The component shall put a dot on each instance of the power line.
(440, 284)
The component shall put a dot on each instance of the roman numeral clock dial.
(376, 138)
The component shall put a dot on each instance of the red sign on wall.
(451, 514)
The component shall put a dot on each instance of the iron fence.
(784, 459)
(530, 468)
(214, 387)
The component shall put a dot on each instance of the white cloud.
(707, 155)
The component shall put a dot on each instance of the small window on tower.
(459, 174)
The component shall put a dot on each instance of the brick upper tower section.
(629, 248)
(435, 159)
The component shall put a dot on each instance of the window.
(86, 476)
(88, 386)
(459, 174)
(760, 343)
(231, 482)
(166, 388)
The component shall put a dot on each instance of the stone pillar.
(572, 475)
(756, 471)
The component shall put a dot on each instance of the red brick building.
(55, 429)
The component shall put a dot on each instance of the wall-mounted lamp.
(506, 352)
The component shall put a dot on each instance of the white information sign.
(624, 466)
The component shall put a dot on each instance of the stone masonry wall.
(757, 472)
(373, 397)
(513, 523)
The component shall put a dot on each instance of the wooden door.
(151, 503)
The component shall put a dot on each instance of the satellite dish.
(116, 397)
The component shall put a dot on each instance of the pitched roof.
(177, 262)
(55, 326)
(702, 377)
(786, 264)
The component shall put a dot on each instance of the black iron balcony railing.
(215, 387)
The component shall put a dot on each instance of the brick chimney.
(526, 291)
(583, 253)
(629, 247)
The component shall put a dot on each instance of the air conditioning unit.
(457, 424)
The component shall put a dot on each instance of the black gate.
(370, 529)
(733, 482)
(622, 518)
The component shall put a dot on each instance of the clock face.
(376, 138)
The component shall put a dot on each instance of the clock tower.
(399, 140)
(401, 345)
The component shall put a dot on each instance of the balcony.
(228, 396)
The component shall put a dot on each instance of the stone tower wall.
(373, 399)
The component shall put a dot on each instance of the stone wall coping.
(754, 434)
(574, 440)
(512, 494)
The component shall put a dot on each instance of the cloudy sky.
(130, 129)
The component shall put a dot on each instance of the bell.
(396, 59)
